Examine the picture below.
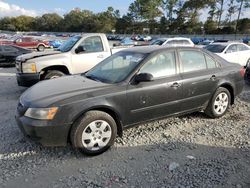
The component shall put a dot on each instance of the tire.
(219, 103)
(41, 48)
(99, 129)
(53, 74)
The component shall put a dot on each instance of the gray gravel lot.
(189, 151)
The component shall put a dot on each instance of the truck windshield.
(116, 68)
(68, 45)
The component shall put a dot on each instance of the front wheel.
(219, 103)
(94, 133)
(40, 48)
(53, 74)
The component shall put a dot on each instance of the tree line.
(144, 16)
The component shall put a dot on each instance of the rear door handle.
(100, 56)
(176, 85)
(213, 78)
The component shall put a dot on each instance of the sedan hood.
(49, 92)
(33, 55)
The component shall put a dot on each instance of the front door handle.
(176, 85)
(100, 56)
(213, 78)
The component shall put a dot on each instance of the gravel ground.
(188, 151)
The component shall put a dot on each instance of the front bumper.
(26, 80)
(44, 132)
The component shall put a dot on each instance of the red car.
(29, 42)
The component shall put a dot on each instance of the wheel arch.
(109, 110)
(230, 88)
(61, 68)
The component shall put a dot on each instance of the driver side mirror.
(143, 77)
(80, 49)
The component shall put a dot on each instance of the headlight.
(29, 67)
(41, 113)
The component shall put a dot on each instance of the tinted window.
(210, 62)
(215, 48)
(192, 60)
(9, 49)
(92, 44)
(242, 47)
(0, 48)
(163, 64)
(232, 48)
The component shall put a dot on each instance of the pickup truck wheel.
(219, 103)
(40, 48)
(94, 133)
(53, 74)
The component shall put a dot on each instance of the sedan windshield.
(68, 45)
(116, 68)
(215, 48)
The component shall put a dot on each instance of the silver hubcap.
(53, 77)
(221, 103)
(96, 135)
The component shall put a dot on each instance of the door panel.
(150, 100)
(157, 98)
(198, 87)
(93, 54)
(199, 77)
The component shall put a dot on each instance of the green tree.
(242, 4)
(169, 7)
(49, 22)
(23, 23)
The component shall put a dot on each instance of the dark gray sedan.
(133, 86)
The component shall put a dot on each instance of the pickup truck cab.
(76, 55)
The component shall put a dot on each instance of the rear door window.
(192, 60)
(242, 47)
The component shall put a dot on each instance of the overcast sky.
(37, 8)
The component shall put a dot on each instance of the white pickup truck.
(76, 55)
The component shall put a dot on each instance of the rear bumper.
(27, 80)
(43, 132)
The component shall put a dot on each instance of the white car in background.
(234, 52)
(176, 41)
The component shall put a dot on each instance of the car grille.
(18, 66)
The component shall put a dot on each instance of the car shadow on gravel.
(170, 164)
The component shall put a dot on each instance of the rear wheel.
(219, 103)
(53, 74)
(94, 133)
(40, 48)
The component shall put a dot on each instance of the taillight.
(242, 71)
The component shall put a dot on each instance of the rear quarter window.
(210, 62)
